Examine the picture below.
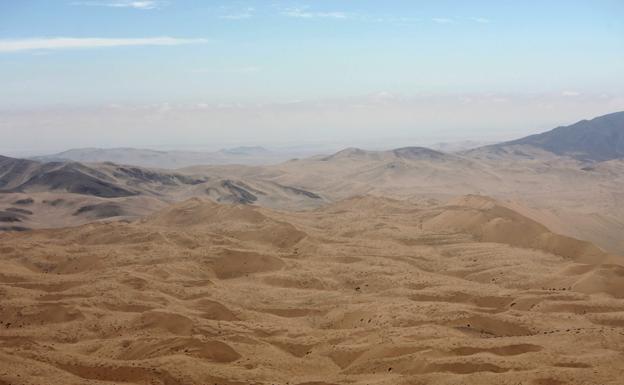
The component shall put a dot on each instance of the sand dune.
(365, 291)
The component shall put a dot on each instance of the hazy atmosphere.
(208, 74)
(199, 192)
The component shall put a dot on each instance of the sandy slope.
(579, 200)
(365, 291)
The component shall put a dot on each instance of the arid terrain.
(368, 290)
(498, 265)
(292, 192)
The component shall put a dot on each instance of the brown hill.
(368, 290)
(489, 221)
(578, 200)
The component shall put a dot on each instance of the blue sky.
(67, 55)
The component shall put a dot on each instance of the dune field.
(367, 290)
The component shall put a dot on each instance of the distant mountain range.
(105, 180)
(64, 193)
(598, 139)
(247, 155)
(566, 165)
(594, 140)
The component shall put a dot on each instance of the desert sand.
(366, 290)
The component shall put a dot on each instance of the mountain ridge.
(598, 139)
(142, 157)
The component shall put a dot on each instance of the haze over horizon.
(211, 74)
(311, 192)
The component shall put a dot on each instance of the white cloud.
(237, 16)
(570, 93)
(481, 20)
(442, 20)
(303, 13)
(247, 13)
(52, 43)
(233, 70)
(384, 96)
(137, 4)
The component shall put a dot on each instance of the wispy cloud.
(305, 13)
(55, 43)
(136, 4)
(481, 20)
(246, 13)
(232, 70)
(570, 93)
(442, 20)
